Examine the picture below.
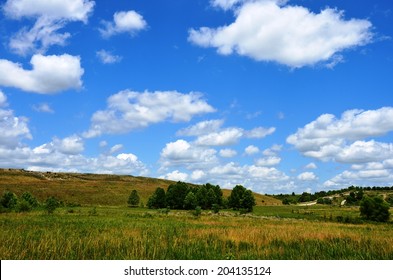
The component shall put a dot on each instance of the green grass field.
(131, 233)
(104, 228)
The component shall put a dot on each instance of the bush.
(216, 208)
(23, 206)
(51, 204)
(197, 212)
(9, 200)
(374, 209)
(28, 197)
(133, 199)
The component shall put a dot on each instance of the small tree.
(133, 199)
(374, 209)
(234, 199)
(9, 200)
(51, 204)
(247, 201)
(30, 199)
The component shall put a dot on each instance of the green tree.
(157, 200)
(374, 209)
(176, 194)
(234, 199)
(190, 201)
(9, 200)
(28, 197)
(51, 204)
(133, 199)
(247, 202)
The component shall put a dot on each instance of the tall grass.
(121, 233)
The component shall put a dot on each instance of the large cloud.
(342, 140)
(51, 16)
(49, 74)
(270, 30)
(130, 110)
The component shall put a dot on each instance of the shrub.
(23, 206)
(374, 209)
(133, 199)
(51, 204)
(197, 212)
(28, 197)
(9, 200)
(216, 208)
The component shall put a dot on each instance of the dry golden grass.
(89, 189)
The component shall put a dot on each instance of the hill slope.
(89, 189)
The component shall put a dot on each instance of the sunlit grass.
(123, 233)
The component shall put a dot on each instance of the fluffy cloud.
(77, 10)
(229, 136)
(271, 30)
(329, 138)
(182, 153)
(268, 161)
(176, 176)
(124, 22)
(107, 57)
(49, 74)
(225, 4)
(251, 150)
(307, 176)
(12, 128)
(202, 128)
(51, 16)
(227, 153)
(130, 110)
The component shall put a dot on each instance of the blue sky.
(278, 96)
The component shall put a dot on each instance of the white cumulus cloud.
(49, 74)
(123, 22)
(271, 30)
(342, 139)
(130, 110)
(227, 153)
(307, 176)
(51, 16)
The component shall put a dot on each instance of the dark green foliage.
(389, 199)
(190, 202)
(374, 209)
(215, 208)
(133, 199)
(176, 194)
(197, 212)
(234, 199)
(247, 202)
(157, 200)
(241, 198)
(51, 204)
(324, 200)
(29, 198)
(9, 200)
(23, 206)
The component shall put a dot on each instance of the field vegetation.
(79, 225)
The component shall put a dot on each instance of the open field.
(132, 233)
(103, 227)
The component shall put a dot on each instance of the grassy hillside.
(89, 189)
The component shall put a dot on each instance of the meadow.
(105, 233)
(96, 224)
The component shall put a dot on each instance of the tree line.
(183, 196)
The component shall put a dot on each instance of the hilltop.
(90, 189)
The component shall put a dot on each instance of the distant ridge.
(90, 189)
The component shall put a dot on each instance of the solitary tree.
(248, 201)
(51, 204)
(374, 209)
(236, 196)
(133, 199)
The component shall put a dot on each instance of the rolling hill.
(90, 189)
